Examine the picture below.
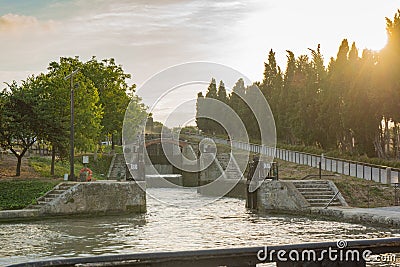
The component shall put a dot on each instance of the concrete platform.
(6, 215)
(385, 216)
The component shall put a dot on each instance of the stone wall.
(100, 197)
(280, 195)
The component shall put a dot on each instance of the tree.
(236, 99)
(317, 85)
(18, 125)
(88, 110)
(110, 80)
(271, 87)
(135, 119)
(53, 98)
(221, 93)
(388, 73)
(211, 126)
(332, 106)
(200, 122)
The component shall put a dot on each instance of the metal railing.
(377, 173)
(396, 194)
(248, 256)
(331, 200)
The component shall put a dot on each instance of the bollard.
(388, 175)
(320, 169)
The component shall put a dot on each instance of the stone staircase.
(229, 166)
(117, 168)
(56, 192)
(318, 193)
(232, 171)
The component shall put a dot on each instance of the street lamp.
(72, 130)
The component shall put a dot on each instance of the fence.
(381, 174)
(397, 194)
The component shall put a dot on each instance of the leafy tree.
(111, 83)
(88, 110)
(51, 98)
(18, 125)
(135, 117)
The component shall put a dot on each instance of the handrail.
(288, 155)
(332, 199)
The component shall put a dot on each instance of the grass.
(100, 167)
(17, 194)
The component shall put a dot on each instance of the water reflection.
(225, 223)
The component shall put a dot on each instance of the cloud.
(13, 23)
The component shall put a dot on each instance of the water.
(223, 224)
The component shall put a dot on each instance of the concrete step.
(65, 187)
(316, 190)
(311, 185)
(48, 199)
(36, 207)
(57, 191)
(311, 182)
(323, 205)
(317, 193)
(323, 201)
(53, 195)
(318, 196)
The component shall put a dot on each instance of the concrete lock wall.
(280, 195)
(100, 197)
(223, 186)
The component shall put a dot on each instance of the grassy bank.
(357, 192)
(17, 194)
(99, 168)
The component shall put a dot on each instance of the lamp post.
(72, 129)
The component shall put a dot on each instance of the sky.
(146, 37)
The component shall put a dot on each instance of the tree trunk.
(112, 142)
(95, 153)
(53, 159)
(394, 140)
(19, 163)
(387, 139)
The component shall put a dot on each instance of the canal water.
(223, 224)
